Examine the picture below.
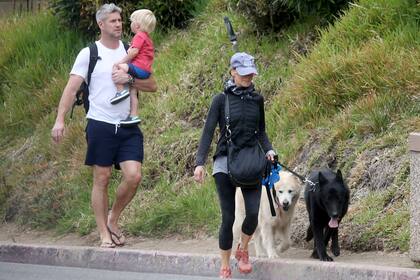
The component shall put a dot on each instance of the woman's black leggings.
(226, 191)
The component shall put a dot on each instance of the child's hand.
(115, 67)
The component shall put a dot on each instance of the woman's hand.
(270, 155)
(199, 174)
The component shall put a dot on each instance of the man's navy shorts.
(109, 144)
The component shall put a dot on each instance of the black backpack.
(82, 95)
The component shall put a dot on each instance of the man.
(107, 142)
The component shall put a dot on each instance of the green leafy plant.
(80, 14)
(275, 14)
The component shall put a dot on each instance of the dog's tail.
(309, 234)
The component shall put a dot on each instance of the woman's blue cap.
(243, 63)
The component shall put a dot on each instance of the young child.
(138, 61)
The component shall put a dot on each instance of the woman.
(242, 70)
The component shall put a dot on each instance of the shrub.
(174, 13)
(80, 14)
(75, 14)
(266, 14)
(325, 8)
(274, 14)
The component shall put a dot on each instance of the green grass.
(34, 52)
(184, 211)
(383, 217)
(353, 97)
(348, 78)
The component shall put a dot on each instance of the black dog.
(327, 203)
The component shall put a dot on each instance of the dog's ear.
(321, 179)
(339, 176)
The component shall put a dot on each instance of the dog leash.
(303, 179)
(271, 197)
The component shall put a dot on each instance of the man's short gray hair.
(105, 10)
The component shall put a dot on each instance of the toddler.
(138, 61)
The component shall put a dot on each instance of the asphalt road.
(18, 271)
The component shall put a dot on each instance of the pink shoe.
(225, 273)
(243, 260)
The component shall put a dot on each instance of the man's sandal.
(107, 244)
(119, 240)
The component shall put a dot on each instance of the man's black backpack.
(82, 95)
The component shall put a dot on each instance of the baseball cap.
(243, 63)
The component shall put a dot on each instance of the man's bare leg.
(99, 200)
(131, 171)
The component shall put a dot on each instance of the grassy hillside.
(349, 103)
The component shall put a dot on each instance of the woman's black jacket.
(244, 124)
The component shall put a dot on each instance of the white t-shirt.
(101, 87)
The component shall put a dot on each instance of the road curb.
(195, 264)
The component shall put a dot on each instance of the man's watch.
(130, 80)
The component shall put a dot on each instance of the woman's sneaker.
(243, 260)
(120, 96)
(130, 121)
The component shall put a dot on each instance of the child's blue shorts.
(109, 144)
(137, 72)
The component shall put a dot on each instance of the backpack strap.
(93, 58)
(126, 46)
(82, 95)
(227, 117)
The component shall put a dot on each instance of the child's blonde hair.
(145, 19)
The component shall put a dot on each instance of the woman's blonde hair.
(145, 19)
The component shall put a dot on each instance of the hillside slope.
(349, 103)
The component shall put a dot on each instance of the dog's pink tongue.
(333, 223)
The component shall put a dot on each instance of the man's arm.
(149, 85)
(64, 106)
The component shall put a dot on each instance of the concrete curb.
(194, 264)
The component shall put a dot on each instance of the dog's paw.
(335, 250)
(326, 258)
(314, 255)
(273, 255)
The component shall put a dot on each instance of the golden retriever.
(272, 233)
